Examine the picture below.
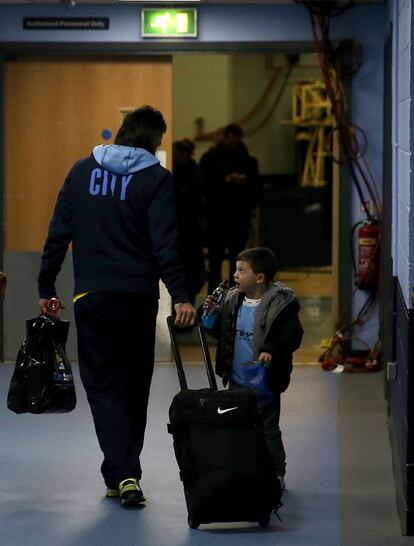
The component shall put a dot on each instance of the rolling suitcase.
(220, 450)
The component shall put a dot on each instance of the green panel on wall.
(169, 23)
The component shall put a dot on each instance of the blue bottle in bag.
(217, 298)
(255, 377)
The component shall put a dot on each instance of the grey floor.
(340, 489)
(316, 319)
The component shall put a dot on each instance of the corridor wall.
(221, 27)
(401, 369)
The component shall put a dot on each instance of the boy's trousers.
(116, 338)
(270, 414)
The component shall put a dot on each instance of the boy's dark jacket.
(117, 208)
(277, 330)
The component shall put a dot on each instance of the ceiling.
(68, 3)
(80, 2)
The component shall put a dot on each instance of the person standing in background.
(231, 178)
(191, 224)
(117, 208)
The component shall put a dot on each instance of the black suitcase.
(220, 450)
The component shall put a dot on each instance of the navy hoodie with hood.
(117, 208)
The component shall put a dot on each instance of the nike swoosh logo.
(221, 411)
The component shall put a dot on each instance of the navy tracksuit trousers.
(116, 339)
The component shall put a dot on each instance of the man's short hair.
(142, 128)
(184, 145)
(261, 260)
(233, 129)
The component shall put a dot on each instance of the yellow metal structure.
(312, 115)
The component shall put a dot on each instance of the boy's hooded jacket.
(277, 330)
(117, 208)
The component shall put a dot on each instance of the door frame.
(388, 284)
(342, 284)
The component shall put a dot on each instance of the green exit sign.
(169, 23)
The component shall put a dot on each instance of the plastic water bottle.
(217, 298)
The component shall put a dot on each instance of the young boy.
(259, 322)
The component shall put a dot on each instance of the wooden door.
(56, 111)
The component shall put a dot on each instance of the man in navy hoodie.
(117, 208)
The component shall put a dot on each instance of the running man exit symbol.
(182, 22)
(169, 23)
(161, 22)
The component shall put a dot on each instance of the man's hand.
(43, 305)
(186, 315)
(235, 178)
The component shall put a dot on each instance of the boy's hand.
(265, 358)
(185, 314)
(208, 304)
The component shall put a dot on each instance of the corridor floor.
(340, 489)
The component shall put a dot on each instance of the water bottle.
(217, 299)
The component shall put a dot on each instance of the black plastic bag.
(42, 381)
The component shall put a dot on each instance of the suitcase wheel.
(264, 522)
(193, 523)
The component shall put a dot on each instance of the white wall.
(403, 241)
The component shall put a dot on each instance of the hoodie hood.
(123, 159)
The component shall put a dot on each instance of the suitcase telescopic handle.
(177, 355)
(206, 355)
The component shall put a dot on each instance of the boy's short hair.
(142, 128)
(261, 260)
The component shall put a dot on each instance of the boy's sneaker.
(130, 492)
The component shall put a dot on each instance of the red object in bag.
(53, 307)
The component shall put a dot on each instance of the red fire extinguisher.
(369, 237)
